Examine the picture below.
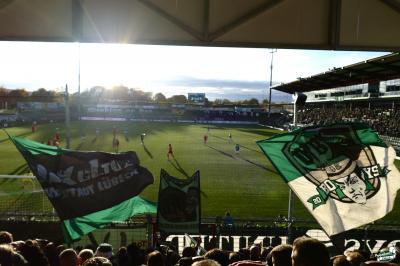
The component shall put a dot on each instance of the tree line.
(100, 94)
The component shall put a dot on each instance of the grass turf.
(246, 184)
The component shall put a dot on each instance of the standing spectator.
(97, 261)
(228, 219)
(309, 252)
(281, 255)
(155, 258)
(68, 257)
(6, 237)
(84, 255)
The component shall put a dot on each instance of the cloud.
(247, 85)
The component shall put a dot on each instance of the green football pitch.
(246, 184)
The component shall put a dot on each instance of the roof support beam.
(194, 33)
(334, 23)
(246, 17)
(385, 66)
(393, 4)
(77, 20)
(206, 20)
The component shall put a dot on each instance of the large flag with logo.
(88, 189)
(179, 204)
(344, 174)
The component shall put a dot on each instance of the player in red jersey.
(170, 151)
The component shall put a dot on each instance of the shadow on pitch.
(222, 152)
(250, 149)
(257, 164)
(178, 167)
(147, 151)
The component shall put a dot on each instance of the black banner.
(179, 204)
(80, 183)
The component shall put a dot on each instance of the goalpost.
(22, 198)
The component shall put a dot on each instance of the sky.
(232, 73)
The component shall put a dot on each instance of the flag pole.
(291, 198)
(67, 118)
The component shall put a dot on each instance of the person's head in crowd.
(135, 254)
(206, 262)
(84, 255)
(122, 256)
(97, 261)
(185, 261)
(172, 258)
(188, 252)
(340, 260)
(309, 252)
(31, 251)
(10, 258)
(234, 257)
(68, 257)
(264, 253)
(255, 252)
(281, 255)
(104, 250)
(51, 252)
(355, 257)
(155, 258)
(17, 244)
(218, 255)
(244, 253)
(6, 237)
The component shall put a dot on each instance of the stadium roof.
(306, 24)
(374, 70)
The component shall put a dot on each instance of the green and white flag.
(344, 174)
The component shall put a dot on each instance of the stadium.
(189, 137)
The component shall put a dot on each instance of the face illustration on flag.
(337, 163)
(344, 174)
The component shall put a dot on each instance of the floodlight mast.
(270, 81)
(67, 118)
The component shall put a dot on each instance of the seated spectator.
(309, 252)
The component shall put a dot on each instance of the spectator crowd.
(305, 251)
(385, 121)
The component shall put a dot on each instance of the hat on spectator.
(104, 250)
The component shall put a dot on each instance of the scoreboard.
(197, 98)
